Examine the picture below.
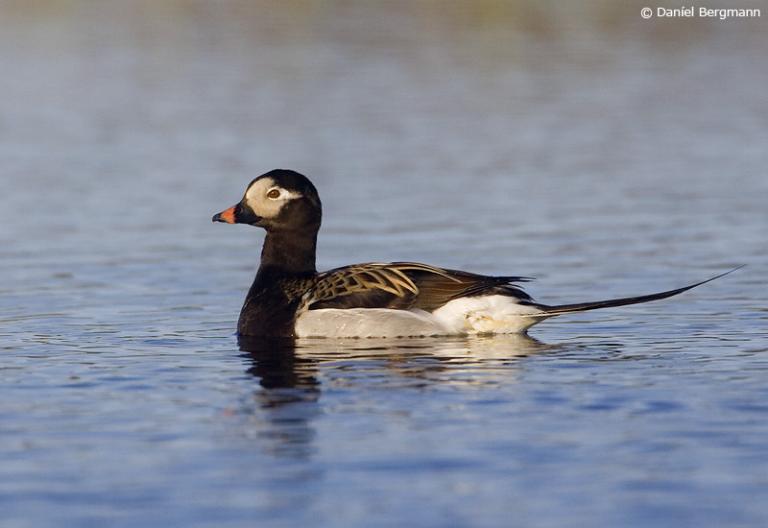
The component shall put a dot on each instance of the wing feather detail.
(402, 285)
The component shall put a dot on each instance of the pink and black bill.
(237, 214)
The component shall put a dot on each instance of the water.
(603, 154)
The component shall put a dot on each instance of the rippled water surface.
(601, 153)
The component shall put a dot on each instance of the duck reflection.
(276, 365)
(288, 403)
(284, 363)
(290, 373)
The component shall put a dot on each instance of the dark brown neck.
(288, 253)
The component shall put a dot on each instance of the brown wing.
(436, 290)
(402, 285)
(363, 286)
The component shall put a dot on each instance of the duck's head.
(280, 200)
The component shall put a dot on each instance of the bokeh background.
(507, 118)
(576, 142)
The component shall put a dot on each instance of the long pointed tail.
(550, 311)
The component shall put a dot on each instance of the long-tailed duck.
(289, 298)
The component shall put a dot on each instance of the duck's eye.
(273, 194)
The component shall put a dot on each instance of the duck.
(290, 298)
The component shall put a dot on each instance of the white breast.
(491, 314)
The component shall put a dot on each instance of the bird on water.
(290, 298)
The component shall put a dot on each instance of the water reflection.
(289, 373)
(275, 363)
(288, 363)
(286, 406)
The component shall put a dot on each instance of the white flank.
(367, 322)
(491, 314)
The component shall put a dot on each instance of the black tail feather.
(550, 311)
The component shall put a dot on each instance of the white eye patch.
(266, 198)
(278, 193)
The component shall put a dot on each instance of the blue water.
(603, 154)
